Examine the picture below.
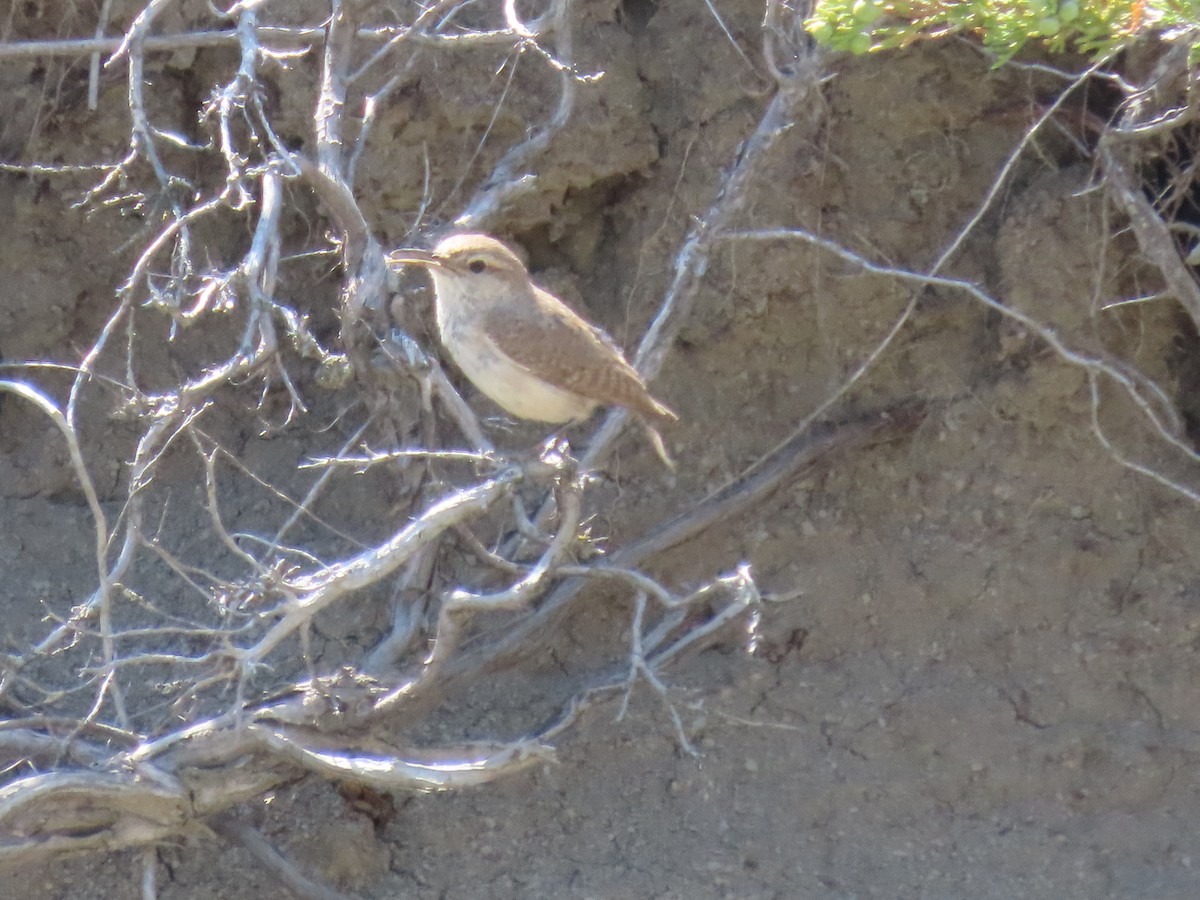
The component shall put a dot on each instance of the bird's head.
(464, 259)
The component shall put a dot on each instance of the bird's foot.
(556, 452)
(500, 423)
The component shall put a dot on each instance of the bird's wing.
(567, 355)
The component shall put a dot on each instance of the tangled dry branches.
(239, 702)
(201, 697)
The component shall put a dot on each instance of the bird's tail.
(656, 441)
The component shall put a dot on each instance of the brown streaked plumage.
(522, 346)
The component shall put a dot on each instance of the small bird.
(522, 346)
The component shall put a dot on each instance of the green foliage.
(1005, 26)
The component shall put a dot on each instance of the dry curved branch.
(43, 816)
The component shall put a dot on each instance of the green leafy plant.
(1004, 26)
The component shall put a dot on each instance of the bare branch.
(272, 860)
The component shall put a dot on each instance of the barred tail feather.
(656, 442)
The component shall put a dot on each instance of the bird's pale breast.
(509, 385)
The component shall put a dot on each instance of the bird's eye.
(477, 265)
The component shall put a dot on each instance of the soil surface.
(978, 679)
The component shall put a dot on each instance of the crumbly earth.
(982, 676)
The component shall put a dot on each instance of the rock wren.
(522, 346)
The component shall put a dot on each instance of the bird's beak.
(413, 258)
